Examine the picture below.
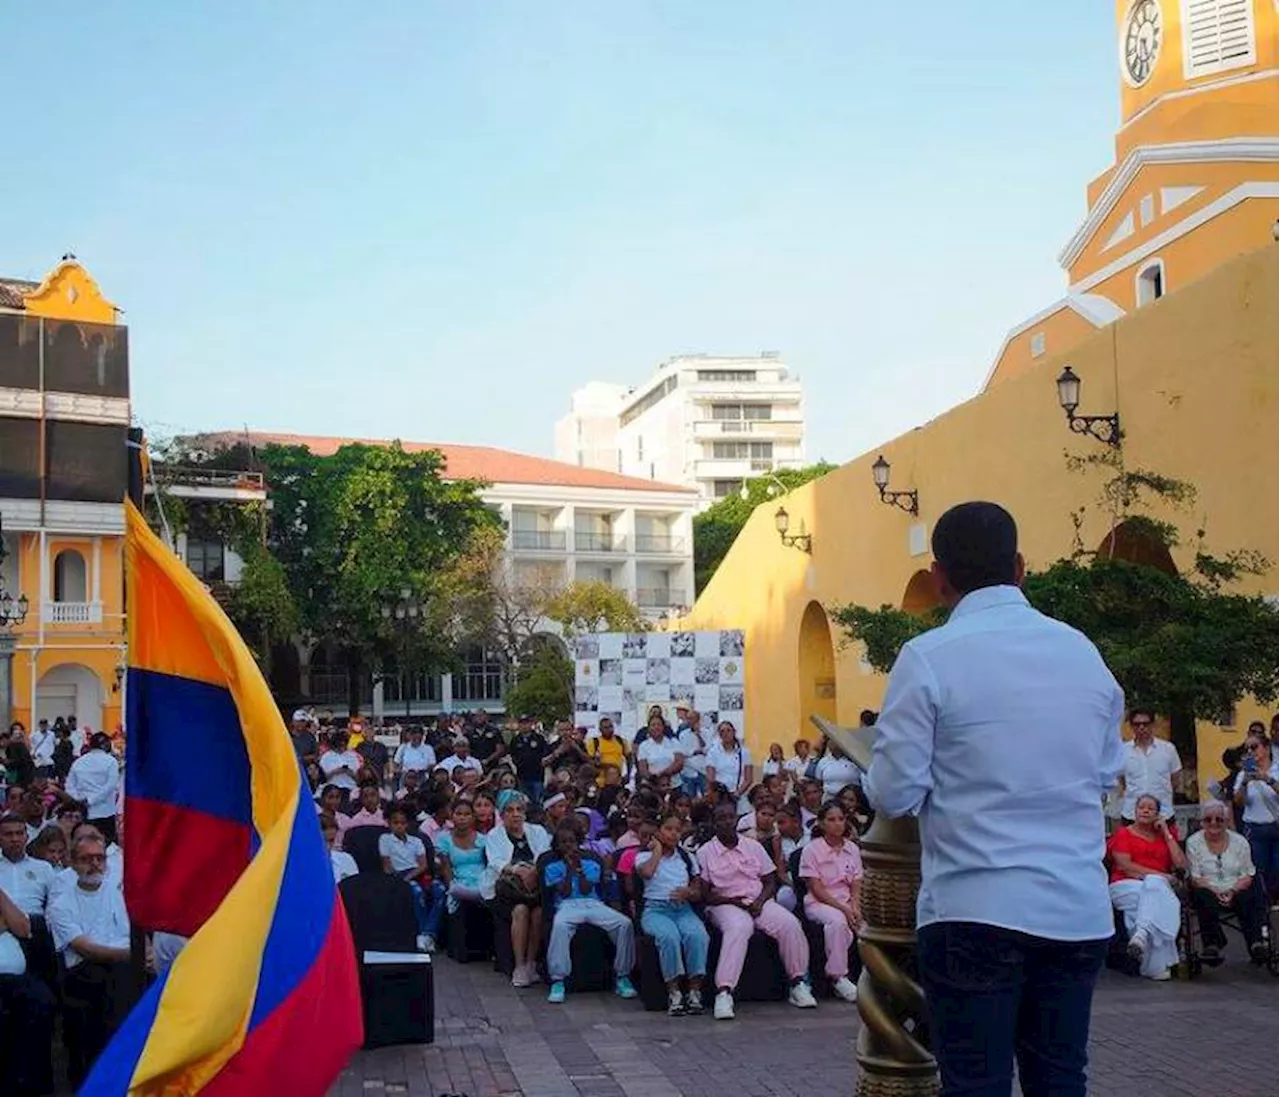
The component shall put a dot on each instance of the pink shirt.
(837, 868)
(735, 873)
(361, 818)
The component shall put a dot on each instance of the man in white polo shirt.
(1150, 764)
(24, 879)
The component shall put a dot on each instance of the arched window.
(1150, 282)
(70, 582)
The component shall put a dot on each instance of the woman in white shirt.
(776, 762)
(344, 864)
(835, 771)
(1222, 879)
(729, 762)
(797, 767)
(671, 883)
(1257, 789)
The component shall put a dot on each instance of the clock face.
(1140, 41)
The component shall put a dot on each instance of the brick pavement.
(1213, 1035)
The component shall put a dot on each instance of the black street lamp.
(1105, 428)
(802, 541)
(403, 613)
(903, 500)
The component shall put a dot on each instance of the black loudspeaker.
(399, 1001)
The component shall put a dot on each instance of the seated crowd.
(674, 842)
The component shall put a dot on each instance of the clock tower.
(1197, 140)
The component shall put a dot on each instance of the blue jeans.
(681, 938)
(694, 786)
(429, 906)
(533, 790)
(995, 993)
(1263, 846)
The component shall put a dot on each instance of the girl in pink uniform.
(831, 868)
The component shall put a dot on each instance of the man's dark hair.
(1138, 710)
(867, 717)
(976, 545)
(10, 817)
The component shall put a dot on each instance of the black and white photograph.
(732, 642)
(634, 645)
(682, 644)
(657, 672)
(706, 671)
(730, 697)
(586, 698)
(587, 647)
(610, 672)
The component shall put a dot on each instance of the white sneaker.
(801, 996)
(422, 942)
(428, 943)
(520, 976)
(1162, 976)
(723, 1010)
(1138, 942)
(845, 990)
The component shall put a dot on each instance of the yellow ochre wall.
(1194, 378)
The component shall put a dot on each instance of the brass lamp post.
(893, 1047)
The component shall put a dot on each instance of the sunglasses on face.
(1141, 723)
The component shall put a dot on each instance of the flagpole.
(135, 448)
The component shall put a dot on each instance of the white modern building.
(564, 522)
(708, 422)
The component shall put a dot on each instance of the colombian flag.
(221, 843)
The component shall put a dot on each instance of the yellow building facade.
(64, 417)
(1191, 370)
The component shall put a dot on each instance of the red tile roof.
(14, 290)
(497, 466)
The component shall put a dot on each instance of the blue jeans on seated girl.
(680, 935)
(428, 906)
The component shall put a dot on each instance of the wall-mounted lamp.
(1105, 428)
(903, 500)
(120, 673)
(802, 541)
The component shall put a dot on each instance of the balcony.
(599, 542)
(533, 540)
(789, 430)
(661, 544)
(230, 485)
(73, 613)
(659, 598)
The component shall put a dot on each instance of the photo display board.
(623, 674)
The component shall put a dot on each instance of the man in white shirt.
(693, 745)
(415, 756)
(462, 759)
(1150, 765)
(95, 779)
(91, 930)
(25, 879)
(340, 765)
(1001, 731)
(42, 744)
(26, 1007)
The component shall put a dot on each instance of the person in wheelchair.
(1144, 855)
(1223, 879)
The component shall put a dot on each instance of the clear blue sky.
(435, 220)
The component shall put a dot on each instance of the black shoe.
(1258, 950)
(1210, 956)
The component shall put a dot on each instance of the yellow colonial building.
(64, 420)
(1169, 319)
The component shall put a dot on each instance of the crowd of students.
(673, 835)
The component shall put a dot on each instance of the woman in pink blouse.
(831, 868)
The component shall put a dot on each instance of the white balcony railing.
(659, 543)
(73, 613)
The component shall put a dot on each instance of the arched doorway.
(817, 659)
(70, 577)
(1134, 543)
(70, 689)
(921, 594)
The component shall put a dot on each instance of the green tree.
(543, 686)
(717, 527)
(592, 606)
(261, 604)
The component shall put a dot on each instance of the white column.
(377, 703)
(446, 693)
(95, 588)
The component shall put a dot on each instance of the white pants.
(1150, 904)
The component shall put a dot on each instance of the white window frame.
(1245, 7)
(1150, 265)
(1037, 344)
